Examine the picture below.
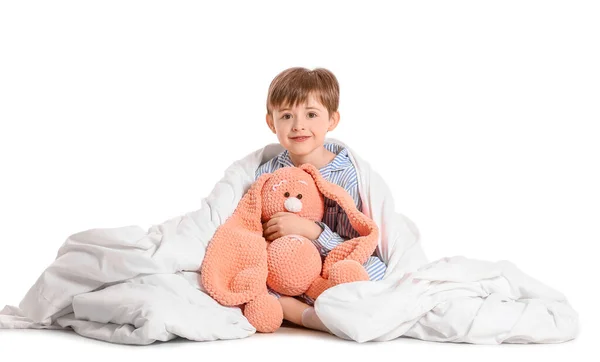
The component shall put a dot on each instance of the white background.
(483, 118)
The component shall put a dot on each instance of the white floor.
(289, 343)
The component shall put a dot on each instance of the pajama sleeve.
(327, 240)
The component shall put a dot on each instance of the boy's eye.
(313, 114)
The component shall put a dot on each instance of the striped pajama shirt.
(335, 224)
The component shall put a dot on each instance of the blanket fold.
(134, 286)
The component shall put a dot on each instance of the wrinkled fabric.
(133, 286)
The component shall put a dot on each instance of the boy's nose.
(293, 204)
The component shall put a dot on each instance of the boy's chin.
(302, 149)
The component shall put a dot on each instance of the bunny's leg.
(318, 286)
(264, 313)
(347, 271)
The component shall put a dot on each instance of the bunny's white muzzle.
(293, 204)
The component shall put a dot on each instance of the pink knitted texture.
(239, 264)
(294, 264)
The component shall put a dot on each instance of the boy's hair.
(292, 86)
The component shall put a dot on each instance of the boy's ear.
(333, 120)
(270, 123)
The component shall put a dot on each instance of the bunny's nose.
(293, 204)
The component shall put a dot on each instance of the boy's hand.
(286, 223)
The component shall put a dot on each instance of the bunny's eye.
(287, 194)
(299, 196)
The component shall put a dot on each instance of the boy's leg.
(301, 314)
(292, 309)
(312, 321)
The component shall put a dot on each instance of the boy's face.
(310, 121)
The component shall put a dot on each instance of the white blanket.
(127, 285)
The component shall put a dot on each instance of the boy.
(301, 108)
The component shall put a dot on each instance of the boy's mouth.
(300, 139)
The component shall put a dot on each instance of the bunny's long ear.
(249, 209)
(234, 270)
(359, 248)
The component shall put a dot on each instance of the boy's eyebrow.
(287, 109)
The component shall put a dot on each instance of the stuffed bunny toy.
(239, 263)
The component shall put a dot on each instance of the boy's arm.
(328, 239)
